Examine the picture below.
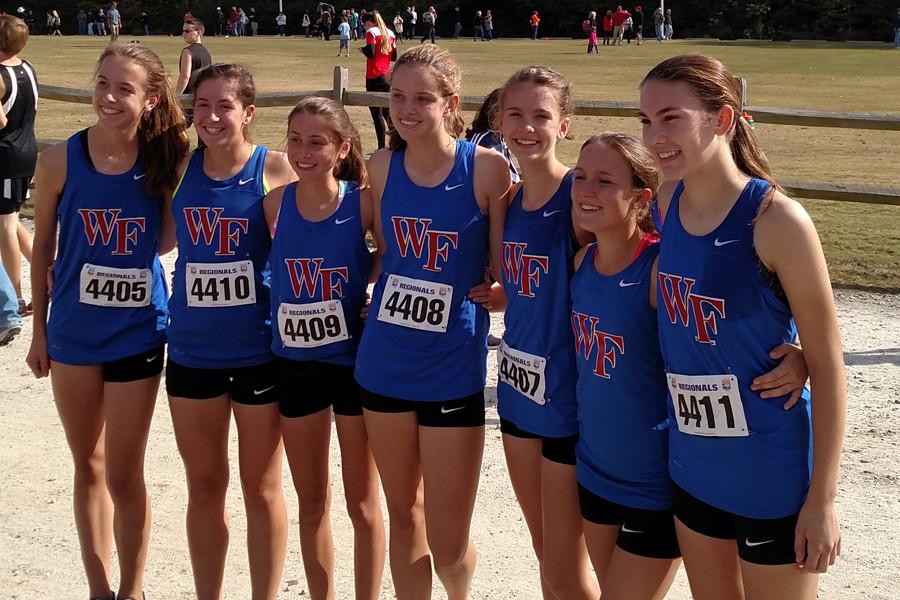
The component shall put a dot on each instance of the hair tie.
(748, 119)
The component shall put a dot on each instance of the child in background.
(592, 41)
(344, 32)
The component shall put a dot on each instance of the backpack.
(586, 25)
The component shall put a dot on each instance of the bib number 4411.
(708, 405)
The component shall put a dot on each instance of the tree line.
(834, 20)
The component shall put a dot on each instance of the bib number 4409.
(312, 325)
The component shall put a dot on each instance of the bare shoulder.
(377, 167)
(579, 256)
(51, 166)
(278, 169)
(781, 214)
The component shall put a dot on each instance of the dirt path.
(38, 541)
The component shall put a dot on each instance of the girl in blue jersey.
(320, 269)
(422, 358)
(104, 342)
(623, 484)
(739, 264)
(536, 389)
(220, 360)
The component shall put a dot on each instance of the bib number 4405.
(119, 288)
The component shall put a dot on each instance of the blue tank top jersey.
(536, 267)
(623, 430)
(319, 262)
(109, 291)
(219, 308)
(718, 318)
(424, 339)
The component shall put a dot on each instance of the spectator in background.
(245, 22)
(234, 21)
(607, 27)
(398, 26)
(618, 21)
(380, 50)
(478, 27)
(280, 24)
(81, 18)
(488, 26)
(326, 25)
(220, 22)
(91, 18)
(55, 23)
(429, 20)
(344, 35)
(115, 21)
(145, 23)
(100, 23)
(638, 18)
(193, 58)
(457, 23)
(535, 24)
(254, 22)
(413, 19)
(670, 31)
(305, 24)
(629, 24)
(659, 23)
(10, 321)
(897, 29)
(353, 21)
(592, 41)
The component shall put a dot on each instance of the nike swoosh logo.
(750, 544)
(623, 284)
(342, 221)
(445, 411)
(141, 176)
(262, 391)
(450, 188)
(152, 358)
(551, 213)
(717, 243)
(245, 181)
(626, 530)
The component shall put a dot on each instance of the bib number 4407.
(524, 372)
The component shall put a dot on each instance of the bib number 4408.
(416, 303)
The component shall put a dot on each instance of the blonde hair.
(645, 169)
(449, 80)
(353, 166)
(161, 132)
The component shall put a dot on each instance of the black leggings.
(380, 116)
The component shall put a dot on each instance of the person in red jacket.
(618, 21)
(607, 27)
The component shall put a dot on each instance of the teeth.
(109, 111)
(305, 165)
(526, 142)
(589, 208)
(407, 123)
(669, 154)
(214, 129)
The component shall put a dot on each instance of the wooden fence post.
(745, 94)
(341, 78)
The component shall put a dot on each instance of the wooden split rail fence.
(602, 108)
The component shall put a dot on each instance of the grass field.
(862, 242)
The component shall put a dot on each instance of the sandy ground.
(40, 548)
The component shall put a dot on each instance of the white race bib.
(525, 373)
(211, 285)
(117, 288)
(312, 325)
(708, 405)
(416, 303)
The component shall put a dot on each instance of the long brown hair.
(353, 166)
(449, 79)
(645, 169)
(544, 77)
(716, 87)
(162, 139)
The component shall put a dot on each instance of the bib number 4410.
(220, 284)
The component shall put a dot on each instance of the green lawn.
(862, 242)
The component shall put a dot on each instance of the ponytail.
(449, 79)
(162, 139)
(385, 33)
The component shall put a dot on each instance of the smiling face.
(313, 148)
(219, 115)
(678, 128)
(120, 96)
(531, 121)
(418, 106)
(604, 196)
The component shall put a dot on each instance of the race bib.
(708, 405)
(416, 303)
(524, 372)
(211, 285)
(117, 288)
(312, 325)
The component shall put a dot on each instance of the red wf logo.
(587, 336)
(307, 275)
(109, 227)
(523, 269)
(683, 306)
(209, 223)
(415, 235)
